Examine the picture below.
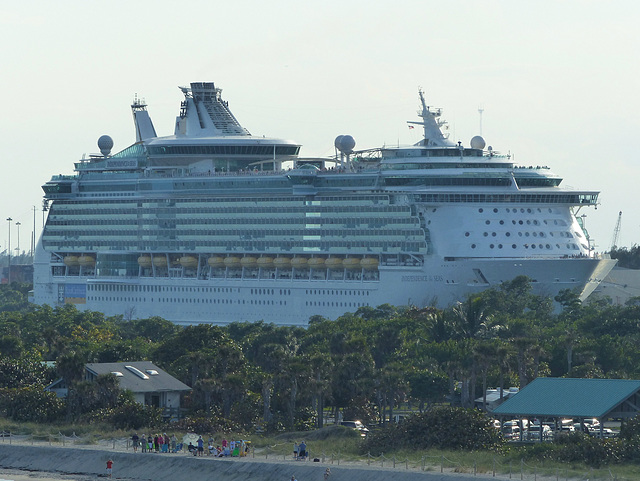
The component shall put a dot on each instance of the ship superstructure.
(212, 224)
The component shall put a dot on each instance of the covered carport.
(550, 398)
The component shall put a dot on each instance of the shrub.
(30, 404)
(439, 427)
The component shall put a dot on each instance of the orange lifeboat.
(282, 262)
(144, 261)
(71, 261)
(316, 262)
(333, 263)
(369, 263)
(160, 261)
(232, 261)
(299, 262)
(215, 261)
(248, 261)
(265, 262)
(189, 262)
(351, 263)
(86, 261)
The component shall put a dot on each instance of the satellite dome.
(477, 142)
(105, 144)
(345, 143)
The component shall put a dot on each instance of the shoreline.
(86, 464)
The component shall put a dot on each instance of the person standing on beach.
(302, 451)
(135, 440)
(295, 450)
(174, 443)
(109, 466)
(143, 440)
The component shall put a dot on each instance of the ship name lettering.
(421, 278)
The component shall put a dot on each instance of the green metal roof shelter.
(553, 397)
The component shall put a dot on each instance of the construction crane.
(616, 233)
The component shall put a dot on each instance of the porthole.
(466, 234)
(481, 210)
(487, 222)
(473, 246)
(493, 234)
(513, 246)
(529, 211)
(520, 222)
(526, 234)
(528, 222)
(495, 210)
(508, 234)
(535, 234)
(485, 234)
(501, 222)
(540, 246)
(533, 246)
(491, 245)
(548, 246)
(519, 234)
(521, 210)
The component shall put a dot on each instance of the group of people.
(228, 448)
(159, 443)
(299, 451)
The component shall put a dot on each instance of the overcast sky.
(558, 82)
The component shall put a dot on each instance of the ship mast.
(432, 125)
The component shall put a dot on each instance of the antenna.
(480, 110)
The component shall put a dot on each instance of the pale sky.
(558, 82)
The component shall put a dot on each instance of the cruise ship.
(214, 225)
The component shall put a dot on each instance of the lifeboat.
(282, 262)
(351, 263)
(248, 261)
(232, 261)
(86, 261)
(333, 263)
(215, 261)
(144, 261)
(316, 262)
(265, 262)
(160, 261)
(189, 262)
(71, 261)
(299, 262)
(369, 263)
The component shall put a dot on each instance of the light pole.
(18, 247)
(9, 219)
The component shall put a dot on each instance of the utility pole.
(9, 219)
(33, 234)
(18, 224)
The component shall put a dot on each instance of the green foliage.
(21, 372)
(130, 415)
(440, 427)
(628, 258)
(30, 404)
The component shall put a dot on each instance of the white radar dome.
(105, 144)
(345, 143)
(478, 142)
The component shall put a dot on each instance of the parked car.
(356, 425)
(533, 432)
(511, 432)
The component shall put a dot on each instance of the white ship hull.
(294, 302)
